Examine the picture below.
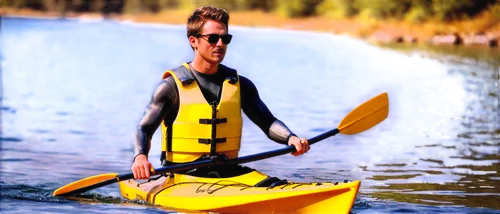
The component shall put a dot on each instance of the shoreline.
(465, 32)
(389, 35)
(480, 31)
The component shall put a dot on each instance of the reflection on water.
(74, 91)
(468, 185)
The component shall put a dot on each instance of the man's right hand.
(141, 167)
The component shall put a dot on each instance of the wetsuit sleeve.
(259, 114)
(163, 106)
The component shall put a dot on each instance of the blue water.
(73, 92)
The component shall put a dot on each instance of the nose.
(219, 42)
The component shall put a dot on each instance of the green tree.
(35, 4)
(140, 6)
(296, 8)
(495, 10)
(188, 6)
(449, 10)
(420, 11)
(93, 5)
(382, 9)
(132, 7)
(265, 5)
(336, 9)
(19, 3)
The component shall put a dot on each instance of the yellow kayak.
(239, 194)
(239, 190)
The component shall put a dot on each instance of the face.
(211, 53)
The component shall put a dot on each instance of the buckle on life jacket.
(232, 79)
(209, 121)
(209, 141)
(186, 81)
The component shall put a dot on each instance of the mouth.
(218, 52)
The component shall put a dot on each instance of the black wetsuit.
(164, 106)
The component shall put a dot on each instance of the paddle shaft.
(240, 160)
(207, 163)
(282, 151)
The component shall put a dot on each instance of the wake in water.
(25, 192)
(41, 193)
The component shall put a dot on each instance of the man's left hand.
(301, 145)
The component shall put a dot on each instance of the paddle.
(360, 119)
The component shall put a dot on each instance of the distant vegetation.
(409, 10)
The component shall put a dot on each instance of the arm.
(259, 114)
(164, 105)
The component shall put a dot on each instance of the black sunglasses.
(214, 38)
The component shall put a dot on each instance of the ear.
(194, 42)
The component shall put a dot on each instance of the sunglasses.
(214, 38)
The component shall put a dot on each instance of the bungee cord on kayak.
(220, 184)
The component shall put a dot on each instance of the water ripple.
(10, 139)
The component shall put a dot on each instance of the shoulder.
(227, 71)
(246, 86)
(165, 86)
(245, 81)
(167, 80)
(232, 72)
(181, 72)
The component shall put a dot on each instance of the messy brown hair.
(201, 15)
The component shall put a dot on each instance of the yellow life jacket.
(201, 128)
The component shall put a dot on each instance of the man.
(199, 106)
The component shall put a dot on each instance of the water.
(74, 90)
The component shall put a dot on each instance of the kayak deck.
(238, 194)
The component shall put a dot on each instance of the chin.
(218, 59)
(213, 59)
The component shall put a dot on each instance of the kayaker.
(199, 106)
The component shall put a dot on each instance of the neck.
(204, 67)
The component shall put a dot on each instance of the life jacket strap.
(209, 141)
(209, 121)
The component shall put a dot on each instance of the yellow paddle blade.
(84, 183)
(365, 116)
